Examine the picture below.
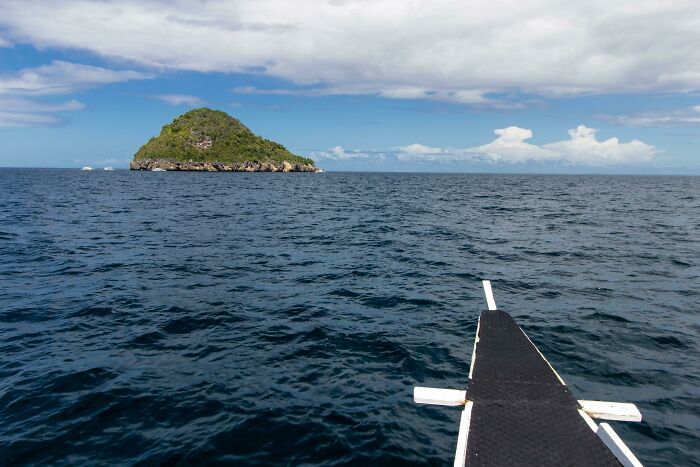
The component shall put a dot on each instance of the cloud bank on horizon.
(485, 55)
(511, 146)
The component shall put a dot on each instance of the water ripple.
(266, 319)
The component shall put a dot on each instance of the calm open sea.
(285, 318)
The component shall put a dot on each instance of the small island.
(213, 141)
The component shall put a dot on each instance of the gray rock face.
(248, 166)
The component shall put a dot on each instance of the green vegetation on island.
(205, 139)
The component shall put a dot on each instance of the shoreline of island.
(168, 165)
(206, 140)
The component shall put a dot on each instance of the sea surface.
(283, 319)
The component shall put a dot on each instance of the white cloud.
(445, 50)
(61, 77)
(684, 117)
(9, 119)
(511, 146)
(338, 153)
(421, 152)
(405, 93)
(312, 92)
(5, 43)
(179, 99)
(58, 77)
(584, 148)
(417, 148)
(475, 97)
(17, 112)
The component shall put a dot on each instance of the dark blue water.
(285, 318)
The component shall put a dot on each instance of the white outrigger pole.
(588, 410)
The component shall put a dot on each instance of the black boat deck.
(522, 412)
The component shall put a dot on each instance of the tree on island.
(212, 140)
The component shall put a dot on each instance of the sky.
(540, 86)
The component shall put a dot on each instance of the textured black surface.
(522, 413)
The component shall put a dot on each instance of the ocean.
(283, 319)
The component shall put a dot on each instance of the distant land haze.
(211, 140)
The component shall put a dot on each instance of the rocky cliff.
(215, 166)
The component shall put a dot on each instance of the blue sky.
(497, 86)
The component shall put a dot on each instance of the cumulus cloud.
(440, 50)
(684, 117)
(581, 148)
(18, 112)
(511, 147)
(5, 43)
(584, 148)
(179, 99)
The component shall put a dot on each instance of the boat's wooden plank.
(435, 396)
(476, 340)
(462, 437)
(620, 411)
(617, 446)
(604, 410)
(490, 301)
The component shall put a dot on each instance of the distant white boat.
(158, 169)
(86, 168)
(109, 168)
